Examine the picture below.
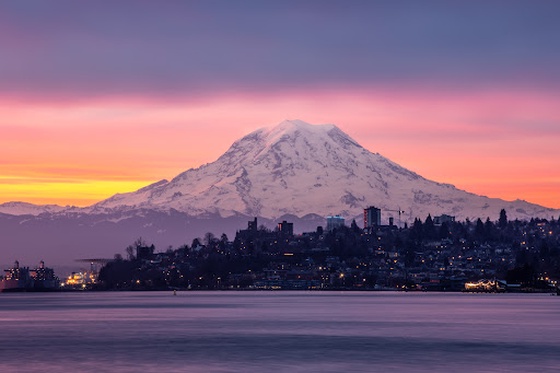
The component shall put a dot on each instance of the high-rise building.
(252, 225)
(334, 222)
(372, 217)
(285, 228)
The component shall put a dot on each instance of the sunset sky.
(103, 97)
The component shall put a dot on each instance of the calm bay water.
(279, 331)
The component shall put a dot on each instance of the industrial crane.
(399, 211)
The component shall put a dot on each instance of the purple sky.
(100, 97)
(71, 49)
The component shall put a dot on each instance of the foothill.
(433, 254)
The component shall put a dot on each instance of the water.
(279, 331)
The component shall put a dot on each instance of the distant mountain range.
(294, 170)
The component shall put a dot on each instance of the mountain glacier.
(298, 168)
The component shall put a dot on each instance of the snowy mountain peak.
(290, 137)
(298, 128)
(299, 168)
(293, 127)
(292, 169)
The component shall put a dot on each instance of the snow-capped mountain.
(24, 208)
(298, 168)
(293, 171)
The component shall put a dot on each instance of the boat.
(44, 278)
(16, 279)
(485, 286)
(20, 278)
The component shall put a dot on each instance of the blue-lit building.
(334, 221)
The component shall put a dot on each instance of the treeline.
(521, 252)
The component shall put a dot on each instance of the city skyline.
(103, 99)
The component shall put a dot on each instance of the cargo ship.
(23, 279)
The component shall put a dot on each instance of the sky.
(103, 97)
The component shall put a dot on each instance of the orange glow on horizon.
(71, 192)
(501, 145)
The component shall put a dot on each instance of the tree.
(133, 250)
(195, 243)
(489, 230)
(524, 275)
(354, 226)
(444, 231)
(417, 229)
(429, 227)
(130, 252)
(479, 229)
(502, 222)
(224, 238)
(209, 238)
(223, 241)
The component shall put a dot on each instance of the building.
(286, 229)
(252, 225)
(372, 217)
(334, 222)
(447, 219)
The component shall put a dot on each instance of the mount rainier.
(293, 170)
(298, 168)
